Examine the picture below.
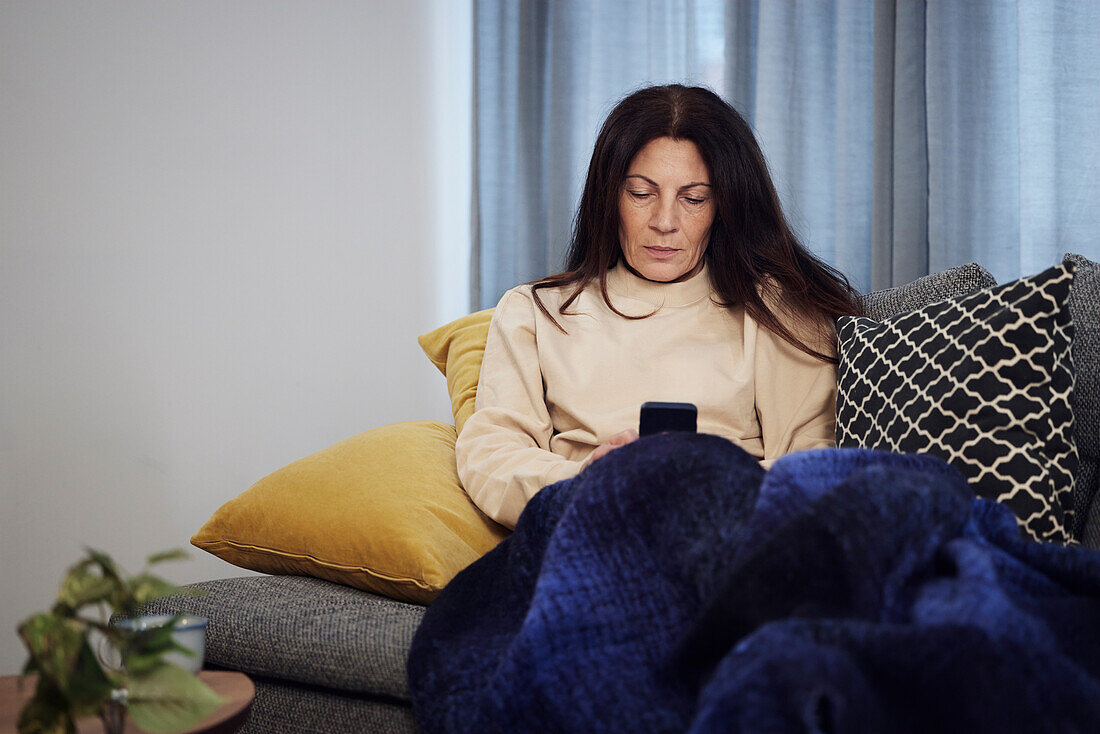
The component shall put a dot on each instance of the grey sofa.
(323, 657)
(328, 658)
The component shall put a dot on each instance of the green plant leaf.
(146, 587)
(175, 554)
(105, 562)
(54, 644)
(47, 712)
(80, 586)
(169, 699)
(151, 639)
(143, 649)
(90, 685)
(109, 570)
(140, 664)
(141, 660)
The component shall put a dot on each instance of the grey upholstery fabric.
(305, 630)
(1084, 306)
(282, 708)
(956, 281)
(1087, 504)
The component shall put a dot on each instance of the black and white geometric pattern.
(983, 381)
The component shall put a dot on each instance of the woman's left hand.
(619, 439)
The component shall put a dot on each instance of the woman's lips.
(662, 253)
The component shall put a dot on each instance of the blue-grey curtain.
(1013, 133)
(904, 136)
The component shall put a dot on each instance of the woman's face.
(665, 210)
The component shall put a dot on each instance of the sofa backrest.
(1084, 307)
(957, 281)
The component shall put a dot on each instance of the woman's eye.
(692, 200)
(639, 194)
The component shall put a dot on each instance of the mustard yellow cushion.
(382, 511)
(457, 349)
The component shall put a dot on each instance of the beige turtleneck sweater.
(547, 399)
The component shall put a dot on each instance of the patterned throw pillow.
(982, 381)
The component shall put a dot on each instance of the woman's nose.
(664, 216)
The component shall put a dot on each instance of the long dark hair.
(751, 247)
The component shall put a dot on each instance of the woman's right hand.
(619, 439)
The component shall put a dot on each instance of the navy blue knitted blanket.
(674, 586)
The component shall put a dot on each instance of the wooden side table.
(235, 688)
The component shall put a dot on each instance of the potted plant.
(73, 682)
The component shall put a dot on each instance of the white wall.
(222, 227)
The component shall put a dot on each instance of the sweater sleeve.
(503, 452)
(795, 392)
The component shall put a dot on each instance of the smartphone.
(661, 417)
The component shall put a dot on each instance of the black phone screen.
(661, 417)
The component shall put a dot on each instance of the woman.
(684, 283)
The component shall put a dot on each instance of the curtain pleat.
(899, 239)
